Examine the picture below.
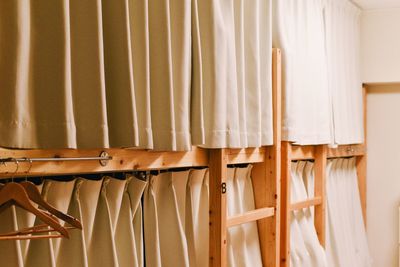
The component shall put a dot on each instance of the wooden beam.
(362, 165)
(250, 216)
(123, 160)
(302, 152)
(246, 155)
(320, 177)
(266, 177)
(218, 209)
(285, 204)
(347, 151)
(306, 203)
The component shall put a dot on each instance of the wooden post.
(320, 177)
(285, 204)
(362, 165)
(218, 209)
(267, 177)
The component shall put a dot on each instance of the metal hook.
(16, 169)
(30, 167)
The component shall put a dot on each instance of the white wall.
(380, 54)
(383, 173)
(380, 49)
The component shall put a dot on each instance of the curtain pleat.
(10, 251)
(342, 20)
(25, 220)
(101, 250)
(151, 229)
(308, 250)
(169, 224)
(197, 218)
(231, 95)
(135, 191)
(299, 31)
(346, 242)
(73, 251)
(243, 242)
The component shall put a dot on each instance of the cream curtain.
(304, 243)
(346, 240)
(149, 74)
(170, 229)
(119, 68)
(232, 103)
(342, 20)
(299, 32)
(322, 97)
(243, 241)
(111, 215)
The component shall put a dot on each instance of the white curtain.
(304, 244)
(346, 240)
(322, 97)
(243, 241)
(342, 20)
(123, 69)
(232, 103)
(299, 32)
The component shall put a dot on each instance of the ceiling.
(376, 4)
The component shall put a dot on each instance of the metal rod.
(102, 158)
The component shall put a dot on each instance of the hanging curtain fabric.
(243, 242)
(346, 242)
(163, 224)
(342, 20)
(307, 251)
(123, 69)
(197, 218)
(322, 97)
(68, 67)
(231, 83)
(110, 212)
(299, 32)
(119, 231)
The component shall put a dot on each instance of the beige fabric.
(135, 191)
(126, 71)
(299, 32)
(68, 67)
(243, 241)
(10, 251)
(169, 223)
(73, 251)
(101, 250)
(232, 104)
(197, 218)
(26, 219)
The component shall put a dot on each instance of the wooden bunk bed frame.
(272, 200)
(265, 175)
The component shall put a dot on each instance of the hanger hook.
(30, 167)
(16, 169)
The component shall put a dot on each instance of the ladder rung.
(250, 216)
(306, 203)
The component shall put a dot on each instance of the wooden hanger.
(15, 193)
(36, 197)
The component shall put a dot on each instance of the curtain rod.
(103, 158)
